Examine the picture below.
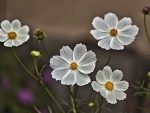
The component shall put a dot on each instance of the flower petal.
(116, 76)
(66, 53)
(99, 24)
(86, 69)
(6, 26)
(87, 58)
(58, 62)
(96, 86)
(119, 95)
(16, 42)
(59, 73)
(82, 79)
(99, 34)
(105, 43)
(23, 30)
(121, 86)
(111, 98)
(100, 77)
(115, 44)
(79, 51)
(69, 78)
(125, 40)
(8, 43)
(15, 25)
(107, 73)
(111, 20)
(3, 36)
(129, 31)
(124, 23)
(22, 38)
(104, 92)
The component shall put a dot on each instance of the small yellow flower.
(91, 104)
(35, 53)
(148, 74)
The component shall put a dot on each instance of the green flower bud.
(35, 53)
(39, 34)
(91, 104)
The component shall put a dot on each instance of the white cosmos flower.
(72, 67)
(113, 34)
(13, 34)
(109, 85)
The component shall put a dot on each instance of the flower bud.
(39, 34)
(146, 10)
(35, 53)
(91, 104)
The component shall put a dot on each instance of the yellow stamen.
(73, 66)
(109, 86)
(113, 32)
(12, 35)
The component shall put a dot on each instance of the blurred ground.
(68, 22)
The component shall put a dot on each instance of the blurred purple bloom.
(6, 83)
(44, 111)
(25, 96)
(47, 77)
(146, 9)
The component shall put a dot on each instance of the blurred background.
(68, 22)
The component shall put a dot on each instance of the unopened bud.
(39, 34)
(91, 104)
(35, 53)
(146, 10)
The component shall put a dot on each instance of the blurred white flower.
(73, 66)
(109, 85)
(13, 34)
(113, 34)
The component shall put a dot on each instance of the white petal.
(99, 24)
(15, 25)
(115, 44)
(121, 86)
(79, 51)
(87, 58)
(111, 20)
(59, 73)
(69, 78)
(104, 92)
(22, 38)
(99, 34)
(124, 23)
(119, 95)
(8, 43)
(96, 86)
(105, 43)
(111, 98)
(3, 36)
(86, 69)
(23, 30)
(58, 62)
(82, 79)
(107, 73)
(100, 77)
(129, 31)
(6, 26)
(16, 42)
(66, 53)
(116, 76)
(125, 40)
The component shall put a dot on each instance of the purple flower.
(146, 10)
(47, 77)
(6, 83)
(25, 96)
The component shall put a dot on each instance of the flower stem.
(146, 29)
(45, 49)
(24, 65)
(36, 68)
(75, 92)
(101, 104)
(74, 109)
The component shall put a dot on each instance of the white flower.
(109, 85)
(73, 66)
(113, 34)
(13, 34)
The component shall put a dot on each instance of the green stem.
(146, 29)
(109, 57)
(36, 68)
(101, 105)
(75, 92)
(74, 109)
(24, 65)
(45, 49)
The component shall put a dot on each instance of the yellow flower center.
(109, 86)
(113, 32)
(73, 65)
(12, 35)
